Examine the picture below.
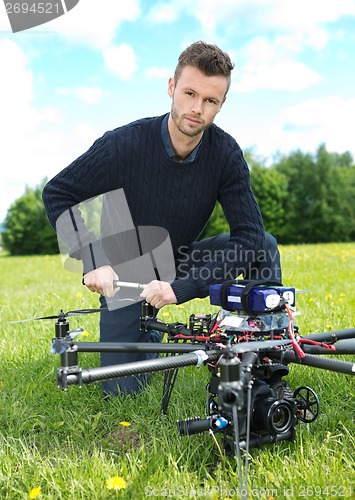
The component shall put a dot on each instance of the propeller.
(63, 315)
(59, 346)
(60, 316)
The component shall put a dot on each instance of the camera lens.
(274, 415)
(280, 416)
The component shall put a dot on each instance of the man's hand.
(159, 294)
(100, 280)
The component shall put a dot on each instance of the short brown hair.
(209, 59)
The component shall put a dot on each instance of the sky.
(106, 63)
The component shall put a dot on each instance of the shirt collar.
(165, 137)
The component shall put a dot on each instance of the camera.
(247, 395)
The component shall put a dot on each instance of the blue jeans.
(123, 325)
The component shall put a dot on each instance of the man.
(173, 169)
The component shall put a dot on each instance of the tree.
(217, 223)
(303, 197)
(270, 191)
(27, 230)
(318, 206)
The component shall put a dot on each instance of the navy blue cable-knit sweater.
(162, 192)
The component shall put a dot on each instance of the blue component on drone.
(260, 299)
(220, 423)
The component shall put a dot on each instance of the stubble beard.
(184, 128)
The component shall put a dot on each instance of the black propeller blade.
(59, 346)
(62, 315)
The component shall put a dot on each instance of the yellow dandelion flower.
(85, 333)
(35, 492)
(311, 299)
(116, 483)
(329, 296)
(79, 295)
(340, 299)
(124, 424)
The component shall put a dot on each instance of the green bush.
(27, 230)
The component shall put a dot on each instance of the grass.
(72, 445)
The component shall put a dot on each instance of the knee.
(270, 242)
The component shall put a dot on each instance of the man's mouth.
(193, 120)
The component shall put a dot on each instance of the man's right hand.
(100, 280)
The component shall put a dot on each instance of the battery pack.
(260, 298)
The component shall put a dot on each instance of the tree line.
(303, 197)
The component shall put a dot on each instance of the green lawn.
(73, 445)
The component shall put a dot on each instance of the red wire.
(215, 326)
(294, 341)
(331, 347)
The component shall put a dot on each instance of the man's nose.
(197, 107)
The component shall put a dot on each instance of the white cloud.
(270, 66)
(89, 95)
(320, 112)
(156, 72)
(326, 120)
(164, 13)
(251, 17)
(303, 126)
(34, 143)
(16, 85)
(295, 42)
(95, 23)
(304, 15)
(121, 60)
(281, 75)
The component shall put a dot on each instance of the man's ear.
(171, 87)
(224, 100)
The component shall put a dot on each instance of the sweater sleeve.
(246, 233)
(87, 177)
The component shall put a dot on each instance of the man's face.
(197, 99)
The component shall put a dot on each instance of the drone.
(247, 347)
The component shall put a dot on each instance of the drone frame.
(235, 387)
(194, 353)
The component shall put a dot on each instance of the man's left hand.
(159, 294)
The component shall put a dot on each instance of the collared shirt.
(165, 137)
